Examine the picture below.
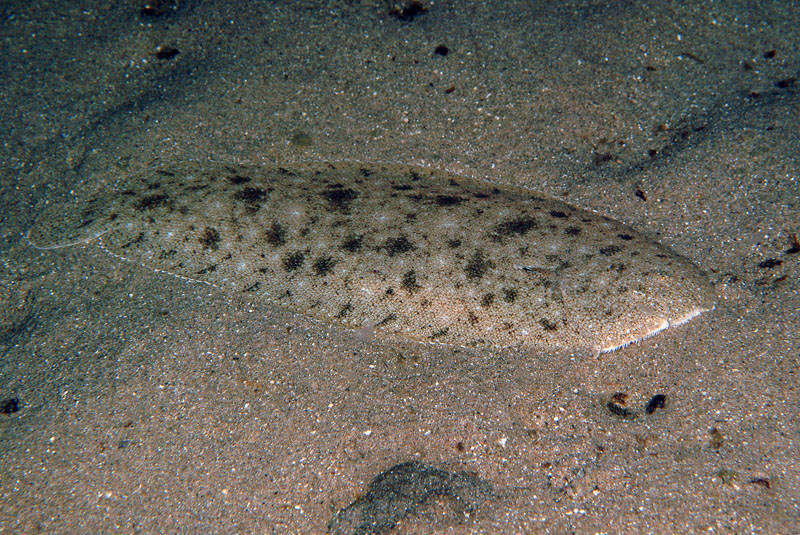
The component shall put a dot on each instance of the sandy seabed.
(135, 402)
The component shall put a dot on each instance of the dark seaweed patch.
(323, 265)
(293, 261)
(399, 491)
(276, 235)
(394, 246)
(478, 265)
(210, 239)
(339, 198)
(410, 281)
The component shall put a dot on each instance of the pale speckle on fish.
(409, 251)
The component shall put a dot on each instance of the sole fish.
(398, 250)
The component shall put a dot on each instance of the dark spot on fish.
(487, 299)
(276, 235)
(323, 265)
(410, 281)
(448, 200)
(509, 294)
(344, 311)
(389, 291)
(237, 180)
(548, 325)
(339, 197)
(210, 239)
(388, 319)
(441, 50)
(251, 195)
(253, 287)
(211, 268)
(640, 194)
(440, 333)
(658, 401)
(515, 226)
(399, 245)
(786, 82)
(293, 261)
(478, 265)
(626, 237)
(610, 250)
(352, 243)
(151, 201)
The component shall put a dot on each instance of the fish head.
(619, 299)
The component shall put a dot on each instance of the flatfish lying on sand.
(409, 251)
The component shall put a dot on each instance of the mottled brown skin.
(408, 251)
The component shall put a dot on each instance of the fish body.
(415, 252)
